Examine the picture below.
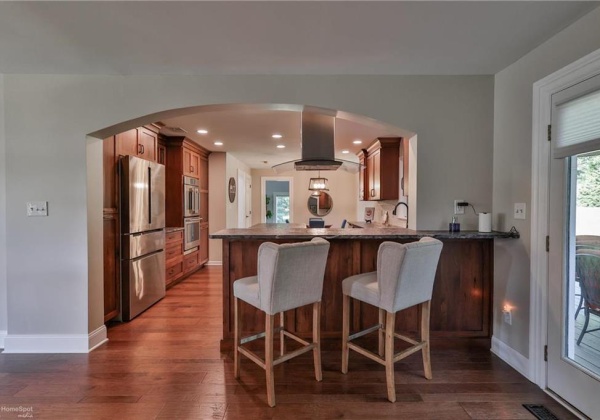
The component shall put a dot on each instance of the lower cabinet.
(173, 256)
(190, 262)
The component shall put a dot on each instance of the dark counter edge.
(173, 229)
(367, 233)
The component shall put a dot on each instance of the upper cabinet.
(379, 179)
(141, 142)
(191, 162)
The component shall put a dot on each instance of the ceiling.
(299, 37)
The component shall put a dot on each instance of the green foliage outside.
(588, 181)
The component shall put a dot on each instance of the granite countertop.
(294, 231)
(173, 229)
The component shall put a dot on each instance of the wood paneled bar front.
(462, 295)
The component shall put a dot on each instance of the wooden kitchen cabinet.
(362, 175)
(141, 142)
(173, 257)
(382, 175)
(186, 158)
(191, 163)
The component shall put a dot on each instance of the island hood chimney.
(318, 141)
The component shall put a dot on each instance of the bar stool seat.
(404, 278)
(289, 276)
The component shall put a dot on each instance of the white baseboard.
(214, 263)
(97, 337)
(515, 359)
(55, 343)
(2, 337)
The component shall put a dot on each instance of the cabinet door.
(377, 175)
(147, 142)
(404, 182)
(127, 143)
(362, 175)
(203, 243)
(161, 156)
(112, 285)
(191, 163)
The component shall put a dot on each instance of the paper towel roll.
(485, 222)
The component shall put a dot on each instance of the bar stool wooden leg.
(282, 335)
(389, 355)
(269, 321)
(236, 338)
(381, 333)
(317, 340)
(345, 331)
(425, 311)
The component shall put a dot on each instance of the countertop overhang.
(297, 231)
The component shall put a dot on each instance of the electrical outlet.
(37, 208)
(507, 316)
(458, 209)
(520, 211)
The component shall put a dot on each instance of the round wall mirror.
(320, 205)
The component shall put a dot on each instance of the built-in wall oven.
(192, 233)
(191, 197)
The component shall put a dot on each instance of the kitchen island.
(462, 294)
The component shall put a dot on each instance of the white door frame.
(263, 192)
(576, 72)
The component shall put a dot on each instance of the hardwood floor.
(166, 364)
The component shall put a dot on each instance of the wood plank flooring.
(166, 364)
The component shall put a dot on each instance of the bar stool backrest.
(291, 275)
(405, 272)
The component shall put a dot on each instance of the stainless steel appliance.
(192, 233)
(191, 197)
(142, 213)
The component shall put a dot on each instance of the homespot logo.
(21, 411)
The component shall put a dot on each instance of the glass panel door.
(574, 280)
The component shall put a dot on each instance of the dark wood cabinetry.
(380, 177)
(141, 142)
(173, 256)
(186, 158)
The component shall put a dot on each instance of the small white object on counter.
(485, 222)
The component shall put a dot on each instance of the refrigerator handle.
(149, 194)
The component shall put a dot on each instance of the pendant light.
(318, 184)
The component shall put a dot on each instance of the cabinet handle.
(373, 192)
(191, 169)
(143, 149)
(139, 149)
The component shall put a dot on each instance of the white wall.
(217, 198)
(3, 293)
(47, 118)
(343, 189)
(513, 92)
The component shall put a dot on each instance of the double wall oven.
(192, 219)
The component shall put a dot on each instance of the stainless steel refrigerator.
(142, 213)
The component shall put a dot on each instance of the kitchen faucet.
(394, 211)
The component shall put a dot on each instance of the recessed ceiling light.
(218, 143)
(202, 131)
(277, 136)
(357, 141)
(345, 151)
(281, 146)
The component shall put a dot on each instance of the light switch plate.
(520, 211)
(37, 208)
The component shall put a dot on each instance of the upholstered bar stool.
(404, 278)
(289, 276)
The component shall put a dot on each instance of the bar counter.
(462, 295)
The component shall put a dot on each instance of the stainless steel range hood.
(318, 141)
